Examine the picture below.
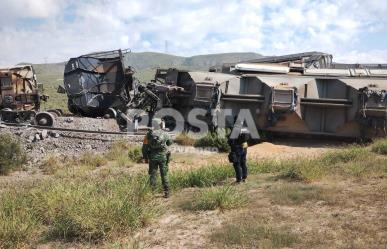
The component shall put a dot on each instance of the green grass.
(222, 198)
(354, 161)
(75, 210)
(18, 224)
(380, 147)
(201, 177)
(12, 155)
(250, 231)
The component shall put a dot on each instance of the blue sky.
(53, 30)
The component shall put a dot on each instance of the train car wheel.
(45, 119)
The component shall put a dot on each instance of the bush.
(124, 154)
(185, 139)
(12, 155)
(50, 165)
(117, 149)
(92, 160)
(212, 139)
(222, 198)
(135, 154)
(380, 147)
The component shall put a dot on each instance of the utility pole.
(166, 47)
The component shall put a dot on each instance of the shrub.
(117, 148)
(185, 139)
(135, 154)
(124, 154)
(213, 139)
(222, 198)
(92, 160)
(12, 155)
(292, 174)
(50, 165)
(380, 147)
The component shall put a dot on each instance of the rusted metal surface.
(20, 96)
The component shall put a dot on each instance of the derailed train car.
(21, 97)
(300, 94)
(97, 83)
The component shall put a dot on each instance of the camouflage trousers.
(154, 166)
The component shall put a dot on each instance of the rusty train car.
(21, 96)
(304, 94)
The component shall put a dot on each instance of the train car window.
(5, 82)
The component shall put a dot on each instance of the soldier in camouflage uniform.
(155, 151)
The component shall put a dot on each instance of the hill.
(145, 63)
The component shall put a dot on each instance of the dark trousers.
(155, 165)
(240, 167)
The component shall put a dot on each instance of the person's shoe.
(243, 180)
(166, 194)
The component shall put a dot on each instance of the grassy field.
(335, 200)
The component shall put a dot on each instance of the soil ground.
(351, 213)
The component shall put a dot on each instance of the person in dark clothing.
(238, 154)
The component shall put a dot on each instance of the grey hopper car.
(301, 94)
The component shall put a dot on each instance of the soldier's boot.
(166, 194)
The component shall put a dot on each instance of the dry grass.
(251, 231)
(297, 193)
(124, 154)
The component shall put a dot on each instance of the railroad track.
(16, 125)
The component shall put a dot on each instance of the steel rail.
(73, 130)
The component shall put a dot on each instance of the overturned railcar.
(97, 83)
(300, 94)
(21, 96)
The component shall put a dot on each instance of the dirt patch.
(352, 218)
(286, 149)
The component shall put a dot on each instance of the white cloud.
(32, 30)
